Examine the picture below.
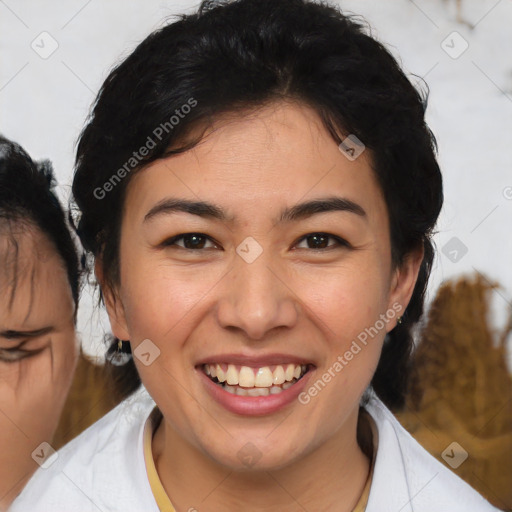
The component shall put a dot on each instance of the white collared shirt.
(103, 470)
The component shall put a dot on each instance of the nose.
(256, 298)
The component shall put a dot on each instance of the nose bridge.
(255, 298)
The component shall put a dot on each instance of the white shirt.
(103, 470)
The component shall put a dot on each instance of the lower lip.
(257, 405)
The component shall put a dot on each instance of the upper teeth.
(248, 377)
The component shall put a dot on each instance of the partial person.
(39, 288)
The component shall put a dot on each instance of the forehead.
(281, 153)
(33, 281)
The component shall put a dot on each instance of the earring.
(399, 320)
(122, 355)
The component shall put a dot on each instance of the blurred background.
(56, 54)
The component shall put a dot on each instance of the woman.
(258, 187)
(39, 290)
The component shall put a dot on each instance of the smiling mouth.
(248, 381)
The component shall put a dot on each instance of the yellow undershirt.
(163, 501)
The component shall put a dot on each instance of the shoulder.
(101, 469)
(407, 478)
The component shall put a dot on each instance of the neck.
(329, 478)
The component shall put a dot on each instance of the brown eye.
(191, 241)
(321, 241)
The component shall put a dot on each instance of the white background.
(44, 103)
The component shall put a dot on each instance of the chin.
(242, 455)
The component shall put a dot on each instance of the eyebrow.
(294, 213)
(16, 335)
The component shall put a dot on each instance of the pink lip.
(253, 406)
(253, 361)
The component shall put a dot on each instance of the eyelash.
(15, 354)
(339, 241)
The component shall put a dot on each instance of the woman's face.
(37, 352)
(264, 284)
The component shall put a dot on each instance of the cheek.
(347, 308)
(347, 300)
(35, 389)
(158, 298)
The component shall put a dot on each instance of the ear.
(403, 282)
(115, 308)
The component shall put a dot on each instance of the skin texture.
(293, 299)
(33, 389)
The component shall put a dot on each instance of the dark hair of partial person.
(28, 199)
(233, 57)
